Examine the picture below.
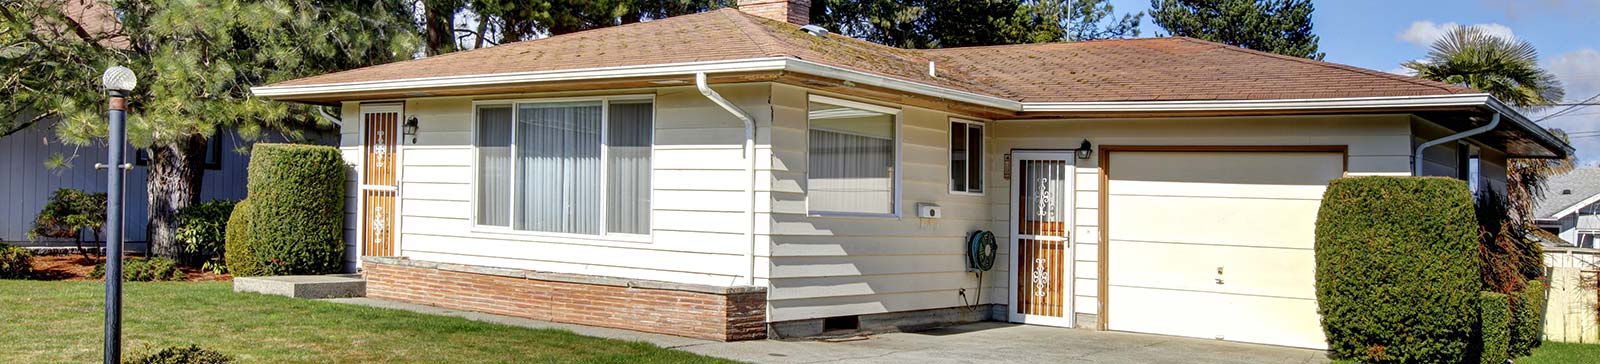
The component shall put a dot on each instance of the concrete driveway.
(987, 342)
(992, 342)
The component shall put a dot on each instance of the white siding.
(1441, 160)
(698, 205)
(27, 183)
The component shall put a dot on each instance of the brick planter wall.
(697, 311)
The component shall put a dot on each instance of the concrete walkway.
(988, 342)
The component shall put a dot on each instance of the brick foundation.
(705, 312)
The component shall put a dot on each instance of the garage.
(1215, 242)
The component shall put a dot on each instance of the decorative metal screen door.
(1041, 244)
(380, 135)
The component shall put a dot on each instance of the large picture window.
(578, 167)
(853, 156)
(966, 156)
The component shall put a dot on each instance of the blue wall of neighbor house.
(25, 182)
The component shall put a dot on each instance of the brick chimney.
(797, 12)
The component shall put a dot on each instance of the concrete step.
(312, 287)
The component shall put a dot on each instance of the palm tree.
(1509, 70)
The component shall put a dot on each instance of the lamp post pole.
(118, 82)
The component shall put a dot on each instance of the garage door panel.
(1196, 189)
(1245, 270)
(1218, 221)
(1266, 320)
(1227, 168)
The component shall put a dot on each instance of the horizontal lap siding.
(698, 201)
(1378, 145)
(835, 266)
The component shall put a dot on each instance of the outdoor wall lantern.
(1084, 150)
(411, 129)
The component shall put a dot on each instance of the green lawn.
(1563, 353)
(60, 322)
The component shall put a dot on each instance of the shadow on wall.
(1573, 311)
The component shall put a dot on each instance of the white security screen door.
(1041, 244)
(380, 181)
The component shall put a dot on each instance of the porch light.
(1085, 150)
(411, 129)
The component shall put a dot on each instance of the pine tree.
(1276, 26)
(938, 23)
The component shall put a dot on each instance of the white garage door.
(1216, 245)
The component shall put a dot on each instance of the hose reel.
(981, 250)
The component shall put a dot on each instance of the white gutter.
(1416, 158)
(670, 69)
(750, 168)
(1285, 104)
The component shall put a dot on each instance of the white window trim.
(898, 156)
(950, 136)
(605, 123)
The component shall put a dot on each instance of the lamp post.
(118, 81)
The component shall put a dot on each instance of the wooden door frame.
(1103, 280)
(397, 107)
(1069, 317)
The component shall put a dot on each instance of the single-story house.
(734, 175)
(1570, 208)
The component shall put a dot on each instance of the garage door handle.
(1219, 280)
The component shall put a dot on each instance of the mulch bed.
(74, 267)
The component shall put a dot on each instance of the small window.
(1467, 164)
(966, 156)
(1588, 239)
(853, 157)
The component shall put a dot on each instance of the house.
(732, 175)
(1570, 208)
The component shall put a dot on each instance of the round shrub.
(201, 233)
(184, 355)
(15, 262)
(1397, 269)
(296, 213)
(1494, 309)
(240, 259)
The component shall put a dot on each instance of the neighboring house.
(730, 176)
(28, 183)
(1570, 208)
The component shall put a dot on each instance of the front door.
(1041, 232)
(380, 129)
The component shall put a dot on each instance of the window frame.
(605, 164)
(982, 167)
(899, 137)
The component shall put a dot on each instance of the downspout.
(750, 168)
(1416, 158)
(332, 119)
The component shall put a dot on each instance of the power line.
(1571, 107)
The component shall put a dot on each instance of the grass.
(61, 322)
(1550, 352)
(1553, 352)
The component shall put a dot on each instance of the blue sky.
(1379, 35)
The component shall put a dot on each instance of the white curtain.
(628, 140)
(494, 166)
(850, 173)
(558, 167)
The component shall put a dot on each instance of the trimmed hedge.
(1527, 322)
(1495, 327)
(295, 216)
(184, 355)
(236, 252)
(1397, 269)
(155, 269)
(14, 262)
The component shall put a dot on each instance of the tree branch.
(25, 125)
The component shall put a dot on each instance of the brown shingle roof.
(1158, 69)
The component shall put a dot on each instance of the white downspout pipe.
(750, 168)
(325, 115)
(1416, 158)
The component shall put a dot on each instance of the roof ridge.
(1413, 80)
(733, 15)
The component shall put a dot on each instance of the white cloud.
(1403, 71)
(1519, 9)
(1422, 33)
